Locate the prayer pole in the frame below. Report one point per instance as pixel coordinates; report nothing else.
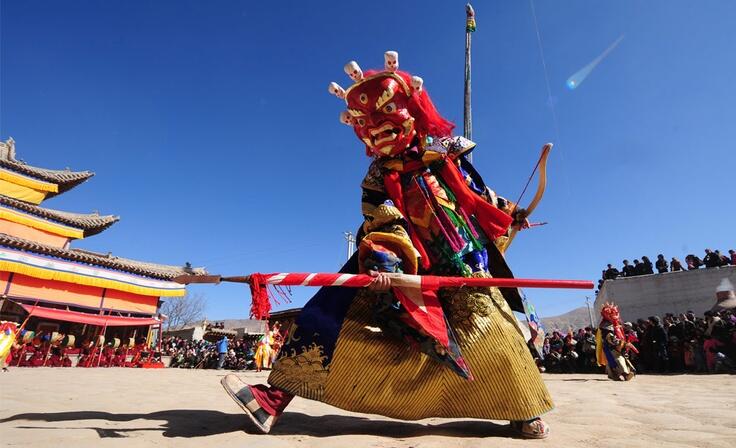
(467, 111)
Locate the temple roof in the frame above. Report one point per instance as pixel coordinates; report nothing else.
(65, 179)
(143, 268)
(90, 223)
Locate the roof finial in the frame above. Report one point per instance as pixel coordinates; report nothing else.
(7, 149)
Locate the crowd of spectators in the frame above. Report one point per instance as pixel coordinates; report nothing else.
(675, 344)
(239, 354)
(44, 351)
(712, 259)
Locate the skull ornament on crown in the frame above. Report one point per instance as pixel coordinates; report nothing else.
(389, 110)
(610, 313)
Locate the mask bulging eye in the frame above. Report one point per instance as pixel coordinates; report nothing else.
(360, 121)
(363, 98)
(389, 108)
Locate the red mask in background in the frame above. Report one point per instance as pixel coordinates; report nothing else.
(610, 313)
(378, 108)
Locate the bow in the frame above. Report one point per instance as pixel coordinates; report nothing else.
(542, 167)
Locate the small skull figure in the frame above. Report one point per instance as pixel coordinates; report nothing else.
(336, 90)
(417, 83)
(391, 59)
(353, 70)
(345, 118)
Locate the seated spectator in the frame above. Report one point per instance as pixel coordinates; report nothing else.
(732, 253)
(711, 260)
(628, 270)
(661, 264)
(611, 273)
(648, 267)
(675, 265)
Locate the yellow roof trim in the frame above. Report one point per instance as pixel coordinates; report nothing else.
(29, 182)
(40, 223)
(22, 193)
(47, 274)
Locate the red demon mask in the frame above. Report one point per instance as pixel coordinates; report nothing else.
(610, 313)
(379, 108)
(389, 109)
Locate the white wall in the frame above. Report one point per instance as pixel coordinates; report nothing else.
(671, 292)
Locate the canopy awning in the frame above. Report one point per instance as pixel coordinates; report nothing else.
(86, 318)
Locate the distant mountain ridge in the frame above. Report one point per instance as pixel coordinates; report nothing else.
(577, 318)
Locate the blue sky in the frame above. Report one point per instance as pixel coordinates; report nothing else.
(213, 136)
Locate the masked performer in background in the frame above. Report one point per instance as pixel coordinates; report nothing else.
(380, 350)
(264, 353)
(611, 345)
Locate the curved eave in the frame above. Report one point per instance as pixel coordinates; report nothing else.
(141, 268)
(90, 224)
(102, 227)
(65, 180)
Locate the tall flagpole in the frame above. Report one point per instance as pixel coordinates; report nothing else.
(467, 111)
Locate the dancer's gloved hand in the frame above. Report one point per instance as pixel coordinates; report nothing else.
(381, 283)
(521, 220)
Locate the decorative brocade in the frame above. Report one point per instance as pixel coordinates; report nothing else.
(380, 216)
(463, 305)
(303, 373)
(373, 373)
(374, 178)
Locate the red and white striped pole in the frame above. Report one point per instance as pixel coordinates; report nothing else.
(407, 280)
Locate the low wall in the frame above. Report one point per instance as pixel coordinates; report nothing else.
(671, 292)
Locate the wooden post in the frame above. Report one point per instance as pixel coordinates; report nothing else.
(102, 347)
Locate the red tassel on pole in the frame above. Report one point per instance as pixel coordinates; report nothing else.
(260, 307)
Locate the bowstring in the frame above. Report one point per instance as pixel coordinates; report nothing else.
(529, 181)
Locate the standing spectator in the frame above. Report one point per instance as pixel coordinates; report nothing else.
(711, 345)
(723, 259)
(693, 262)
(711, 260)
(611, 273)
(638, 267)
(648, 267)
(628, 270)
(732, 253)
(661, 264)
(222, 351)
(659, 342)
(675, 265)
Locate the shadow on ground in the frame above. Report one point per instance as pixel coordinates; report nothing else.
(201, 423)
(295, 423)
(178, 422)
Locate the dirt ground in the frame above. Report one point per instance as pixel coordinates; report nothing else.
(46, 407)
